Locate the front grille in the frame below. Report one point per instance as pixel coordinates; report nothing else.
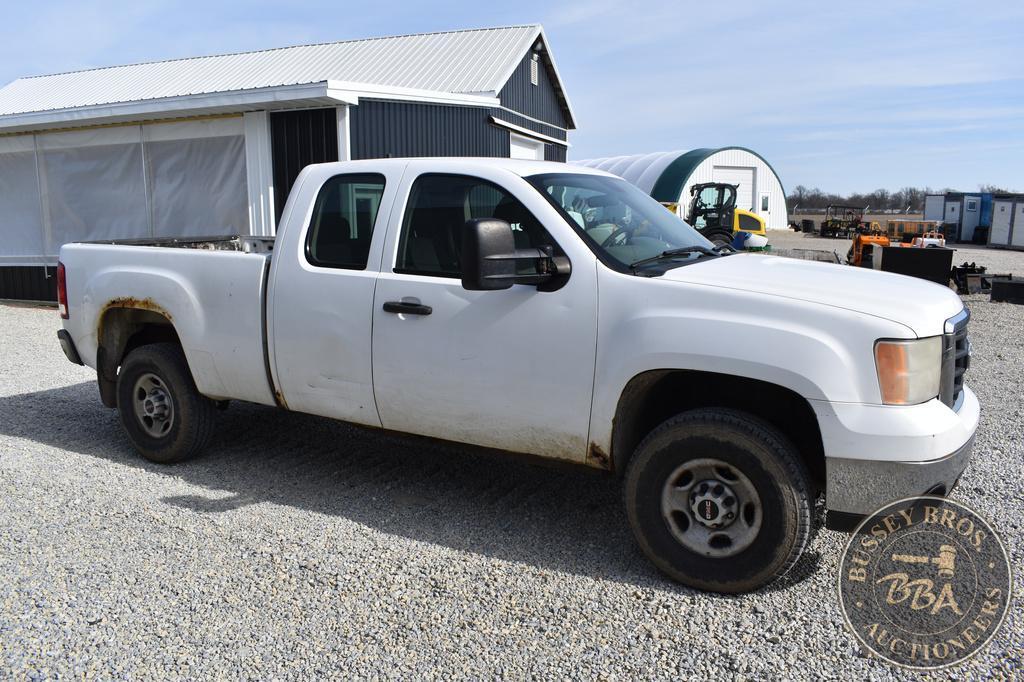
(956, 358)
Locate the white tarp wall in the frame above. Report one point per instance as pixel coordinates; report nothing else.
(21, 220)
(181, 179)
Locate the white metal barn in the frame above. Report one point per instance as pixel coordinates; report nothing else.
(210, 146)
(668, 176)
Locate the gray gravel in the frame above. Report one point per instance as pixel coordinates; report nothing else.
(298, 547)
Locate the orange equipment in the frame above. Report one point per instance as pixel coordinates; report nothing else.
(865, 241)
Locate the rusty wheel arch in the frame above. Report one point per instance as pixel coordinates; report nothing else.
(124, 325)
(652, 397)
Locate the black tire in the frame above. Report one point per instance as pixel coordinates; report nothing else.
(773, 468)
(193, 414)
(719, 238)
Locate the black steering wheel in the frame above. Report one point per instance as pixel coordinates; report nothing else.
(623, 234)
(619, 237)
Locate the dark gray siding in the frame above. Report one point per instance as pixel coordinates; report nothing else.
(28, 283)
(297, 139)
(382, 129)
(539, 101)
(554, 152)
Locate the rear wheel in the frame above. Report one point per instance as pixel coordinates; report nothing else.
(719, 500)
(165, 416)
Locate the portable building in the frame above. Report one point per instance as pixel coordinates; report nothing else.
(668, 177)
(212, 145)
(962, 213)
(1007, 221)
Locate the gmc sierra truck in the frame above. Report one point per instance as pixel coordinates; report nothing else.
(555, 311)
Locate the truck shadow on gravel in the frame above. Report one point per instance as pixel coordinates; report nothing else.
(514, 509)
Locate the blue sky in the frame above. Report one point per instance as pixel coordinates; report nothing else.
(844, 96)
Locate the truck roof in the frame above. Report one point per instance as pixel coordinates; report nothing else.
(521, 167)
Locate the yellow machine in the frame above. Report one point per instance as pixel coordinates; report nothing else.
(714, 214)
(747, 221)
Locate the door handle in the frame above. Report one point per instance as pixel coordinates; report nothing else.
(407, 308)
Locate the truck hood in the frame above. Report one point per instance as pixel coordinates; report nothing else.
(921, 305)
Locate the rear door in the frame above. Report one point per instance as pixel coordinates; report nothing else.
(509, 369)
(322, 292)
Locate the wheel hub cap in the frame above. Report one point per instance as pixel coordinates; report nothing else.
(713, 504)
(711, 507)
(153, 406)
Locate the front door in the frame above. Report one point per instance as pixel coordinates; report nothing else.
(510, 369)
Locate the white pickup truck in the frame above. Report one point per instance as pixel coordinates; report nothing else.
(556, 311)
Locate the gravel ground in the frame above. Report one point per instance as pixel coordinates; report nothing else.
(301, 548)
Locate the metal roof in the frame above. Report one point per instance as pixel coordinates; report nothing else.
(475, 62)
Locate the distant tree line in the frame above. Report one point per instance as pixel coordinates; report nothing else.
(908, 199)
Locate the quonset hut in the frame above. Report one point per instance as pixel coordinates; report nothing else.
(668, 176)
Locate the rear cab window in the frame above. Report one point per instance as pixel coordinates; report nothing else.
(341, 226)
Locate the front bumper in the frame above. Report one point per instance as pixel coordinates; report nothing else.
(876, 455)
(858, 487)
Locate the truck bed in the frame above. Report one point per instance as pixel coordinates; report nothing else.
(236, 242)
(213, 290)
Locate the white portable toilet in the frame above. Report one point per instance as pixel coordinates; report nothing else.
(933, 207)
(970, 216)
(1002, 221)
(1017, 227)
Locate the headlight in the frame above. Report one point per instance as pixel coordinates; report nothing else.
(908, 371)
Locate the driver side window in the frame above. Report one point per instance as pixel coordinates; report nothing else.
(440, 205)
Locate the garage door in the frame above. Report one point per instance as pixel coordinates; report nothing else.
(521, 147)
(742, 176)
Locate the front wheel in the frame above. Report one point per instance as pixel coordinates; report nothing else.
(719, 238)
(166, 417)
(719, 500)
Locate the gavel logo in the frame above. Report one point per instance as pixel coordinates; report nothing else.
(905, 573)
(946, 561)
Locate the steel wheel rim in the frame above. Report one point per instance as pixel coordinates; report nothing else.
(710, 532)
(153, 406)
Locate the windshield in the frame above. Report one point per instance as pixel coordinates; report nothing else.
(622, 224)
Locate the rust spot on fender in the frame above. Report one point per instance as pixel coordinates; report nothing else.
(279, 399)
(137, 303)
(598, 458)
(133, 303)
